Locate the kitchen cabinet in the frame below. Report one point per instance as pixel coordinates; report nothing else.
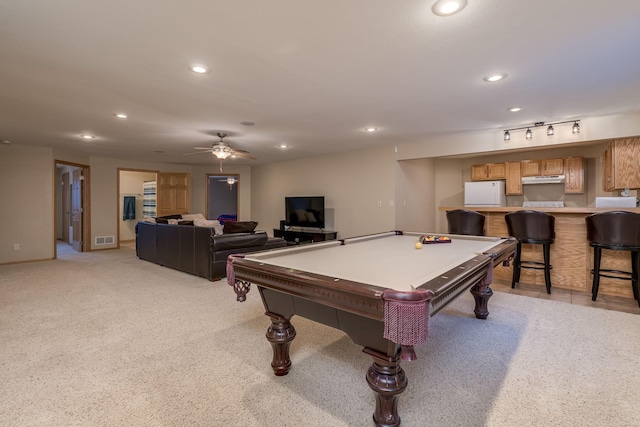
(552, 166)
(544, 167)
(621, 164)
(514, 179)
(573, 175)
(489, 171)
(530, 167)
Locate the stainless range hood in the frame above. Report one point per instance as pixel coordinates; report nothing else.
(550, 179)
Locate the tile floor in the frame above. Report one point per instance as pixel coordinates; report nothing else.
(627, 305)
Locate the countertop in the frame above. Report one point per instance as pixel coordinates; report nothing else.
(566, 210)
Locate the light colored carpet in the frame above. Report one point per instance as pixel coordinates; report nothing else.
(105, 339)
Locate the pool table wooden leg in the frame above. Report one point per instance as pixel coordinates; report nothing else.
(387, 379)
(280, 334)
(481, 293)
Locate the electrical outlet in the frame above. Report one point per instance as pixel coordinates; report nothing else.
(379, 203)
(16, 246)
(391, 203)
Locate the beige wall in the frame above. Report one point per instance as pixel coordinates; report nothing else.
(27, 211)
(415, 195)
(354, 185)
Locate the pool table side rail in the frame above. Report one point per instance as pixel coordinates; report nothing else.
(361, 298)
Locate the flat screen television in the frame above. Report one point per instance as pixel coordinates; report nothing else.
(304, 211)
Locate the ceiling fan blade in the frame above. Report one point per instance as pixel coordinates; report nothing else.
(243, 154)
(197, 152)
(202, 148)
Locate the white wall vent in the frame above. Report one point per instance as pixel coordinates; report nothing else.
(105, 240)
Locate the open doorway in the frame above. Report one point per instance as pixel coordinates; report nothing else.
(72, 217)
(136, 200)
(222, 197)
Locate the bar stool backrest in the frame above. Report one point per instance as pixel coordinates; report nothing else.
(531, 226)
(465, 222)
(614, 229)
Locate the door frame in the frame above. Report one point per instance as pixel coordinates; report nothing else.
(207, 191)
(86, 206)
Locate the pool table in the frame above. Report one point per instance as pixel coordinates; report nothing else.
(379, 289)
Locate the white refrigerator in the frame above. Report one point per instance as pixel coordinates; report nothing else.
(484, 193)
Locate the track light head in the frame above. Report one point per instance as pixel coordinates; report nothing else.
(550, 130)
(575, 128)
(528, 134)
(507, 135)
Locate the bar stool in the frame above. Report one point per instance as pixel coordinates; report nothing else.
(618, 231)
(462, 221)
(532, 227)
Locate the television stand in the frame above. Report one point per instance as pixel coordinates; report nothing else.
(304, 235)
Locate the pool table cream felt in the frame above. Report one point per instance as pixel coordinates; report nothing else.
(386, 260)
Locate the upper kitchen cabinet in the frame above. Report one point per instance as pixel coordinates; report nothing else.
(514, 179)
(489, 171)
(544, 167)
(574, 175)
(621, 164)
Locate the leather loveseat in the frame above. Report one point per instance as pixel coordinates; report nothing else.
(197, 250)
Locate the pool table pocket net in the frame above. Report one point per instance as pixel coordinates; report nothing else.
(406, 319)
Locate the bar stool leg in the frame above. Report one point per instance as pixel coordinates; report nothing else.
(546, 248)
(635, 259)
(597, 255)
(516, 266)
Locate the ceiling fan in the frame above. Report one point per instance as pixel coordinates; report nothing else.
(222, 150)
(230, 180)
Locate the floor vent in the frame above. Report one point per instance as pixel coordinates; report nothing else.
(105, 240)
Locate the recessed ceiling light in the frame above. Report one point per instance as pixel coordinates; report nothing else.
(283, 146)
(4, 141)
(85, 136)
(448, 7)
(121, 115)
(200, 69)
(514, 109)
(371, 129)
(496, 77)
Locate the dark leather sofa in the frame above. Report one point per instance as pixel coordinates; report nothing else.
(197, 250)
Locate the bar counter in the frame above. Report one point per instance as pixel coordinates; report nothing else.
(571, 255)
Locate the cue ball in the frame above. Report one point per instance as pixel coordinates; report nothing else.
(418, 245)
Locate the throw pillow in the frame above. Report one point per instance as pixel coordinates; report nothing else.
(174, 216)
(209, 223)
(239, 227)
(162, 221)
(193, 216)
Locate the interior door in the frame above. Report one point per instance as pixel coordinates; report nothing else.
(77, 212)
(66, 206)
(173, 193)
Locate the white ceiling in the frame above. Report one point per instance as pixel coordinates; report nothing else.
(310, 73)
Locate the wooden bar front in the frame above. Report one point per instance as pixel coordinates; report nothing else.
(571, 255)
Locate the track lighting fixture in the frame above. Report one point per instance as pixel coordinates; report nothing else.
(550, 130)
